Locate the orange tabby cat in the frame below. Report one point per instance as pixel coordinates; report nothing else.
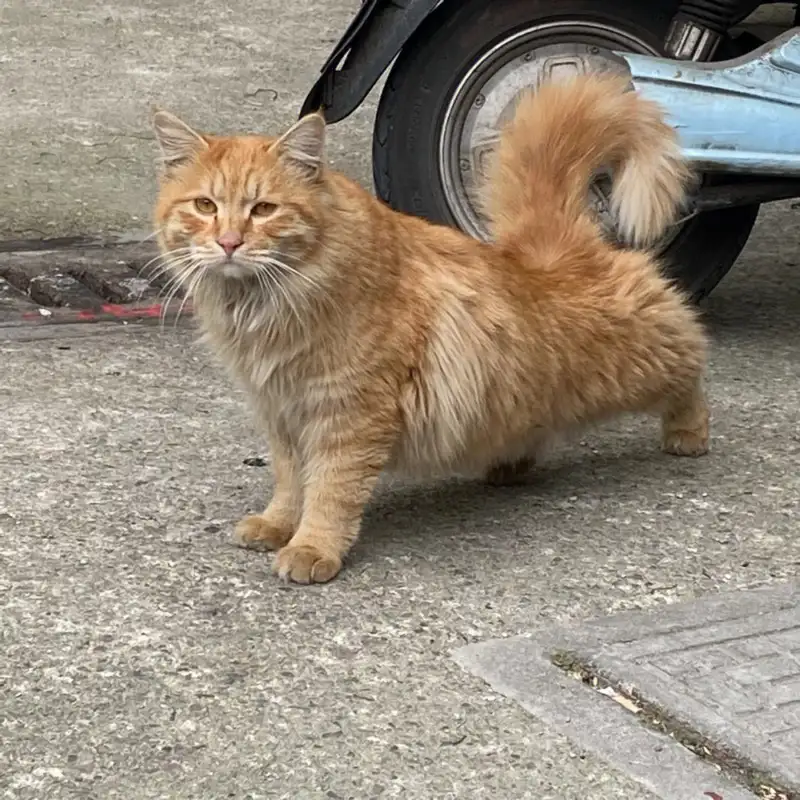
(367, 339)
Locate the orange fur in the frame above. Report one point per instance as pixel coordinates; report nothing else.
(367, 339)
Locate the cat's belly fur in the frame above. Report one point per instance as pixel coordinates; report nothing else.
(460, 427)
(430, 441)
(439, 433)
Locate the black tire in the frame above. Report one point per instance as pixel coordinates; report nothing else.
(427, 73)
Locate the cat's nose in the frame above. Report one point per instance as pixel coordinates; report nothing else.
(230, 241)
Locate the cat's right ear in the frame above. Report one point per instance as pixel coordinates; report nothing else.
(178, 142)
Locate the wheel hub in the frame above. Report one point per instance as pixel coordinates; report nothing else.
(485, 99)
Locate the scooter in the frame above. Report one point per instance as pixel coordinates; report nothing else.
(458, 65)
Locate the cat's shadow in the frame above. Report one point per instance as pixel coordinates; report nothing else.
(404, 517)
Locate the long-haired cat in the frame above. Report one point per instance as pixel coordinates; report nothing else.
(366, 339)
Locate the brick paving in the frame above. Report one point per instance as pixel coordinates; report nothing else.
(77, 282)
(736, 681)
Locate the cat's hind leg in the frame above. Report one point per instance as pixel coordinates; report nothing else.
(515, 466)
(685, 423)
(510, 473)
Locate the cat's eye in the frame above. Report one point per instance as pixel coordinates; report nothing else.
(262, 209)
(205, 206)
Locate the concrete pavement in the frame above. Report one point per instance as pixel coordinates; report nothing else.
(143, 656)
(77, 81)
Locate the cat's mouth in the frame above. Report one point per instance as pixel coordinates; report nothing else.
(236, 266)
(271, 270)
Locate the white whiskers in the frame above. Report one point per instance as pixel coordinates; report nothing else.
(276, 277)
(275, 287)
(163, 262)
(188, 270)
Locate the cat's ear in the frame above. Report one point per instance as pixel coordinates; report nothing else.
(303, 146)
(178, 142)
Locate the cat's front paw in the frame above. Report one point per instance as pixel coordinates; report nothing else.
(306, 564)
(685, 443)
(256, 532)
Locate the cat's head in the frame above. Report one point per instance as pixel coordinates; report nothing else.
(240, 206)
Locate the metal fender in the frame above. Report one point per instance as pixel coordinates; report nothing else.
(736, 116)
(372, 40)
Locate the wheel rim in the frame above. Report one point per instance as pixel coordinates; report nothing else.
(484, 101)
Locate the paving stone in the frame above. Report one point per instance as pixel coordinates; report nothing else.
(47, 285)
(77, 282)
(19, 272)
(62, 290)
(724, 669)
(115, 281)
(13, 300)
(721, 697)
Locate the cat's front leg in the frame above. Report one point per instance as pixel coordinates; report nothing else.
(273, 528)
(341, 474)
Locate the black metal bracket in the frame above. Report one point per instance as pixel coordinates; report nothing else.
(374, 37)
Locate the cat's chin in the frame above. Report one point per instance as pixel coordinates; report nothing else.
(233, 271)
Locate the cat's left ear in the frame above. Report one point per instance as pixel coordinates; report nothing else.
(303, 145)
(179, 143)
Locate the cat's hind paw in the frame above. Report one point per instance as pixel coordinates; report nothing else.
(510, 474)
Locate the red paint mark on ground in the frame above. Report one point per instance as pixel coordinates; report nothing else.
(106, 311)
(133, 311)
(714, 795)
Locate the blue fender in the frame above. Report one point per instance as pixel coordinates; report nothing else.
(736, 116)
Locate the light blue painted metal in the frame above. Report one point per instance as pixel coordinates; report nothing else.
(741, 115)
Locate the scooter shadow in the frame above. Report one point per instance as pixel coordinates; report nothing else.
(760, 297)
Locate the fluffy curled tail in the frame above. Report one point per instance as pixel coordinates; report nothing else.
(561, 136)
